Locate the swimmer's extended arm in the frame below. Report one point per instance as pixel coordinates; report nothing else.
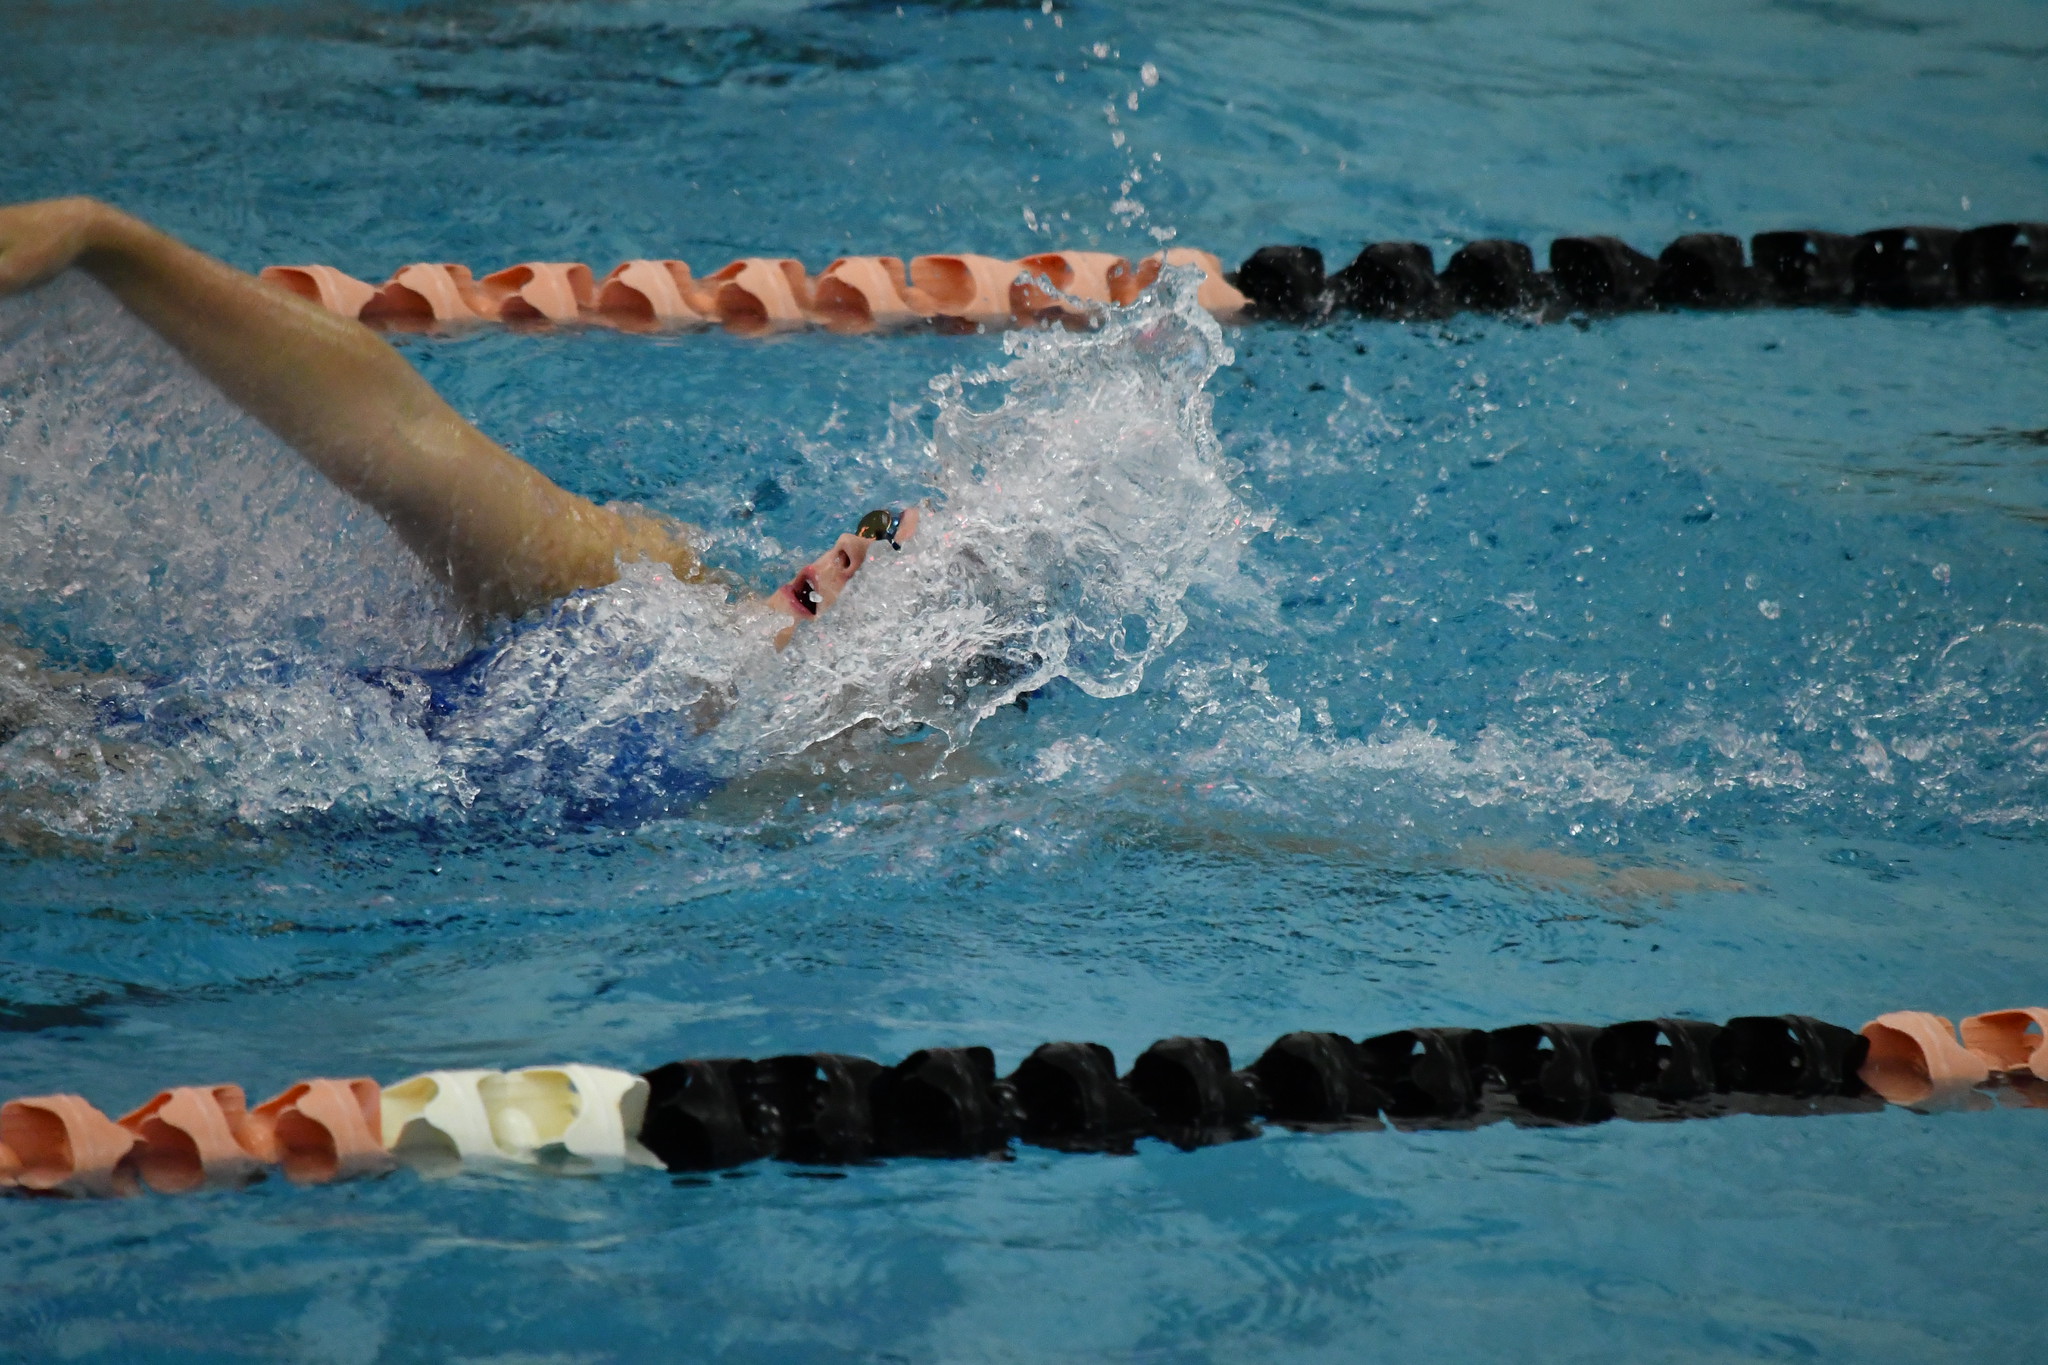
(503, 537)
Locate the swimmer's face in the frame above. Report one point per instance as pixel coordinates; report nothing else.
(818, 584)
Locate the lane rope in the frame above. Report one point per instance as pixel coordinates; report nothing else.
(2000, 264)
(711, 1114)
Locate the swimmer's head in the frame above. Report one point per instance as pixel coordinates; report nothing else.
(983, 667)
(818, 584)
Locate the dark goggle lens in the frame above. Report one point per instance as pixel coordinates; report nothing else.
(879, 524)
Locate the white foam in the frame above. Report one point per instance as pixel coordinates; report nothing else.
(166, 536)
(1074, 516)
(148, 522)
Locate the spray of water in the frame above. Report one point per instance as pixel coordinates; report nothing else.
(243, 640)
(1075, 515)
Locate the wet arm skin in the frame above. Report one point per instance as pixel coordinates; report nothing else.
(501, 535)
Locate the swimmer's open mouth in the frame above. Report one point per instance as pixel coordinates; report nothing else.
(804, 592)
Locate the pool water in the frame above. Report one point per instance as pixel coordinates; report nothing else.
(1462, 673)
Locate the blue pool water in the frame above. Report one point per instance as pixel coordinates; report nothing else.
(1468, 673)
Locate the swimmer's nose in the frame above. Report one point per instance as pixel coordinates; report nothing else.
(851, 552)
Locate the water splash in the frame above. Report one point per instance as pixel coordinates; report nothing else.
(1075, 516)
(149, 522)
(254, 644)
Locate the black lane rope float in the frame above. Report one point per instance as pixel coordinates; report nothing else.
(830, 1109)
(1902, 267)
(827, 1109)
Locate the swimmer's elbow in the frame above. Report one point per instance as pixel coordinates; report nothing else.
(644, 535)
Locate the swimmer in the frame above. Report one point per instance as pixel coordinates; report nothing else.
(502, 536)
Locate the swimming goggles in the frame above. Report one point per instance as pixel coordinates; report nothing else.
(881, 524)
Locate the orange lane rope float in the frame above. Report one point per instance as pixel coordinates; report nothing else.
(757, 295)
(824, 1108)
